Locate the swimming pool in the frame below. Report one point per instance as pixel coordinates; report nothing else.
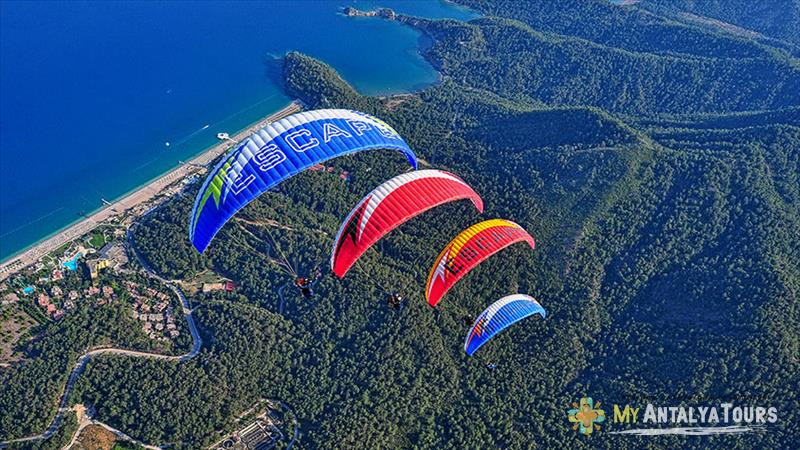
(73, 263)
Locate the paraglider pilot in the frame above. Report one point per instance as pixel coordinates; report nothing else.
(395, 301)
(304, 284)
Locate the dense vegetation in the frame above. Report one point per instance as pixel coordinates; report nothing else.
(31, 390)
(780, 23)
(659, 26)
(512, 59)
(667, 253)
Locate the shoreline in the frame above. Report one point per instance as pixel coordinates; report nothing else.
(33, 252)
(134, 197)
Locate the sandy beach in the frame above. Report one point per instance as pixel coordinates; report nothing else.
(137, 197)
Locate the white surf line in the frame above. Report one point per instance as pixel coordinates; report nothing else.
(691, 431)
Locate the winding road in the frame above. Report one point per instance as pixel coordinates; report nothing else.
(83, 360)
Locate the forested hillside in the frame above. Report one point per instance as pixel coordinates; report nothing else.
(667, 274)
(779, 21)
(517, 61)
(660, 26)
(660, 178)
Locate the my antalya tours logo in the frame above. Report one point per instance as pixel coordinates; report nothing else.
(586, 418)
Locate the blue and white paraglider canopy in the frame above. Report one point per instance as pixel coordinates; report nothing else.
(498, 316)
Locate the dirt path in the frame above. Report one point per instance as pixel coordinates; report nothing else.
(84, 420)
(266, 222)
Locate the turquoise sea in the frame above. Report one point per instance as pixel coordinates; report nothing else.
(90, 92)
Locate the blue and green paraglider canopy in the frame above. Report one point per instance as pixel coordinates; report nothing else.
(279, 151)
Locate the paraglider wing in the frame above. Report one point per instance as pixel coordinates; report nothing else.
(498, 316)
(279, 151)
(391, 204)
(471, 247)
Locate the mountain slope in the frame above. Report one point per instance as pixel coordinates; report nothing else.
(655, 265)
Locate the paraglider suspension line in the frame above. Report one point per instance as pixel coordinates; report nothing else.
(286, 263)
(378, 283)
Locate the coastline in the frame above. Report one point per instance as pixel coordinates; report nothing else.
(424, 42)
(134, 197)
(20, 244)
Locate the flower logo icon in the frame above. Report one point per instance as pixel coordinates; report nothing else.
(586, 416)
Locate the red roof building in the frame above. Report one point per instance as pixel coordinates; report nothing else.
(43, 300)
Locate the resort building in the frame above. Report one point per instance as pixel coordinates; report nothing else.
(228, 286)
(114, 252)
(92, 290)
(94, 266)
(43, 300)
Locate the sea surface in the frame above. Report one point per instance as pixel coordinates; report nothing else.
(91, 92)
